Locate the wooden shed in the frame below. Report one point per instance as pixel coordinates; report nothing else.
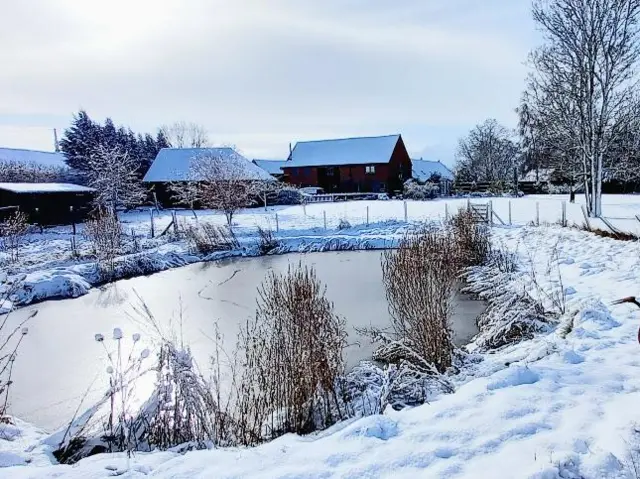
(47, 203)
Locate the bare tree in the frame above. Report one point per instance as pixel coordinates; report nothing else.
(12, 171)
(114, 175)
(225, 183)
(487, 154)
(585, 72)
(186, 135)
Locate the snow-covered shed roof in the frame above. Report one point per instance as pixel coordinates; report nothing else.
(273, 167)
(176, 164)
(42, 158)
(422, 170)
(45, 188)
(343, 151)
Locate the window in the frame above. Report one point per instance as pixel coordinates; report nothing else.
(330, 171)
(370, 170)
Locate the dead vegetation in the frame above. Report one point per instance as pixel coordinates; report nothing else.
(104, 232)
(12, 234)
(292, 360)
(267, 241)
(206, 238)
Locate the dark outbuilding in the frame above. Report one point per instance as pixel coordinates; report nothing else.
(47, 203)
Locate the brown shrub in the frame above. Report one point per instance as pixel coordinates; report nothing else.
(292, 359)
(472, 239)
(207, 238)
(419, 279)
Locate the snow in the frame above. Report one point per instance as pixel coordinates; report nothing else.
(343, 151)
(174, 164)
(422, 170)
(273, 167)
(561, 405)
(42, 158)
(45, 188)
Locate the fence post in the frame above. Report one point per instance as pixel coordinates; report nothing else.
(73, 220)
(446, 211)
(490, 212)
(406, 215)
(174, 216)
(277, 224)
(510, 213)
(367, 215)
(537, 213)
(304, 208)
(324, 215)
(564, 214)
(468, 204)
(153, 232)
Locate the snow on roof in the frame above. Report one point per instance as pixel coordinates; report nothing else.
(42, 158)
(45, 188)
(422, 170)
(273, 167)
(175, 164)
(344, 151)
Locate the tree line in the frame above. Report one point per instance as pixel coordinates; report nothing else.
(579, 115)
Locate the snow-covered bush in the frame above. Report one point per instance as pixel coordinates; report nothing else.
(206, 238)
(12, 171)
(292, 361)
(415, 191)
(267, 240)
(419, 278)
(472, 239)
(104, 232)
(12, 232)
(288, 196)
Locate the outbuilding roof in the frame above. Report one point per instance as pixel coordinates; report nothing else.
(45, 188)
(273, 167)
(343, 151)
(422, 170)
(177, 164)
(42, 158)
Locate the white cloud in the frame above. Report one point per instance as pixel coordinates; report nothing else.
(261, 74)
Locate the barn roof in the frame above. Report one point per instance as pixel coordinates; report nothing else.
(45, 188)
(175, 164)
(343, 151)
(273, 167)
(42, 158)
(422, 170)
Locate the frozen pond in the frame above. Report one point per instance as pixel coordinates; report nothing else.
(59, 359)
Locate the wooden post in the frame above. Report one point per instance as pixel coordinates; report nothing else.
(277, 224)
(490, 212)
(510, 212)
(586, 217)
(468, 204)
(175, 221)
(153, 232)
(406, 214)
(73, 220)
(564, 214)
(304, 207)
(367, 215)
(446, 211)
(537, 213)
(324, 215)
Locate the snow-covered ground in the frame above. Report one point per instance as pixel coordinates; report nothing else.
(52, 272)
(563, 405)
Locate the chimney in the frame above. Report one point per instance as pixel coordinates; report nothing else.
(55, 141)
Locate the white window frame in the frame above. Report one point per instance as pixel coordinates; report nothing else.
(370, 169)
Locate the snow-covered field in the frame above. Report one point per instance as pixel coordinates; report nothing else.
(562, 405)
(52, 272)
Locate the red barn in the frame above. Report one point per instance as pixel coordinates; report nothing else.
(346, 165)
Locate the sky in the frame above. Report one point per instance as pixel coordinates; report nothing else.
(262, 74)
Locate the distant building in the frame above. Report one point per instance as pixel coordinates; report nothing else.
(367, 164)
(273, 167)
(424, 170)
(176, 165)
(31, 166)
(47, 203)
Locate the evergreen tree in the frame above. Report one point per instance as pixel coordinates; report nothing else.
(161, 141)
(79, 141)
